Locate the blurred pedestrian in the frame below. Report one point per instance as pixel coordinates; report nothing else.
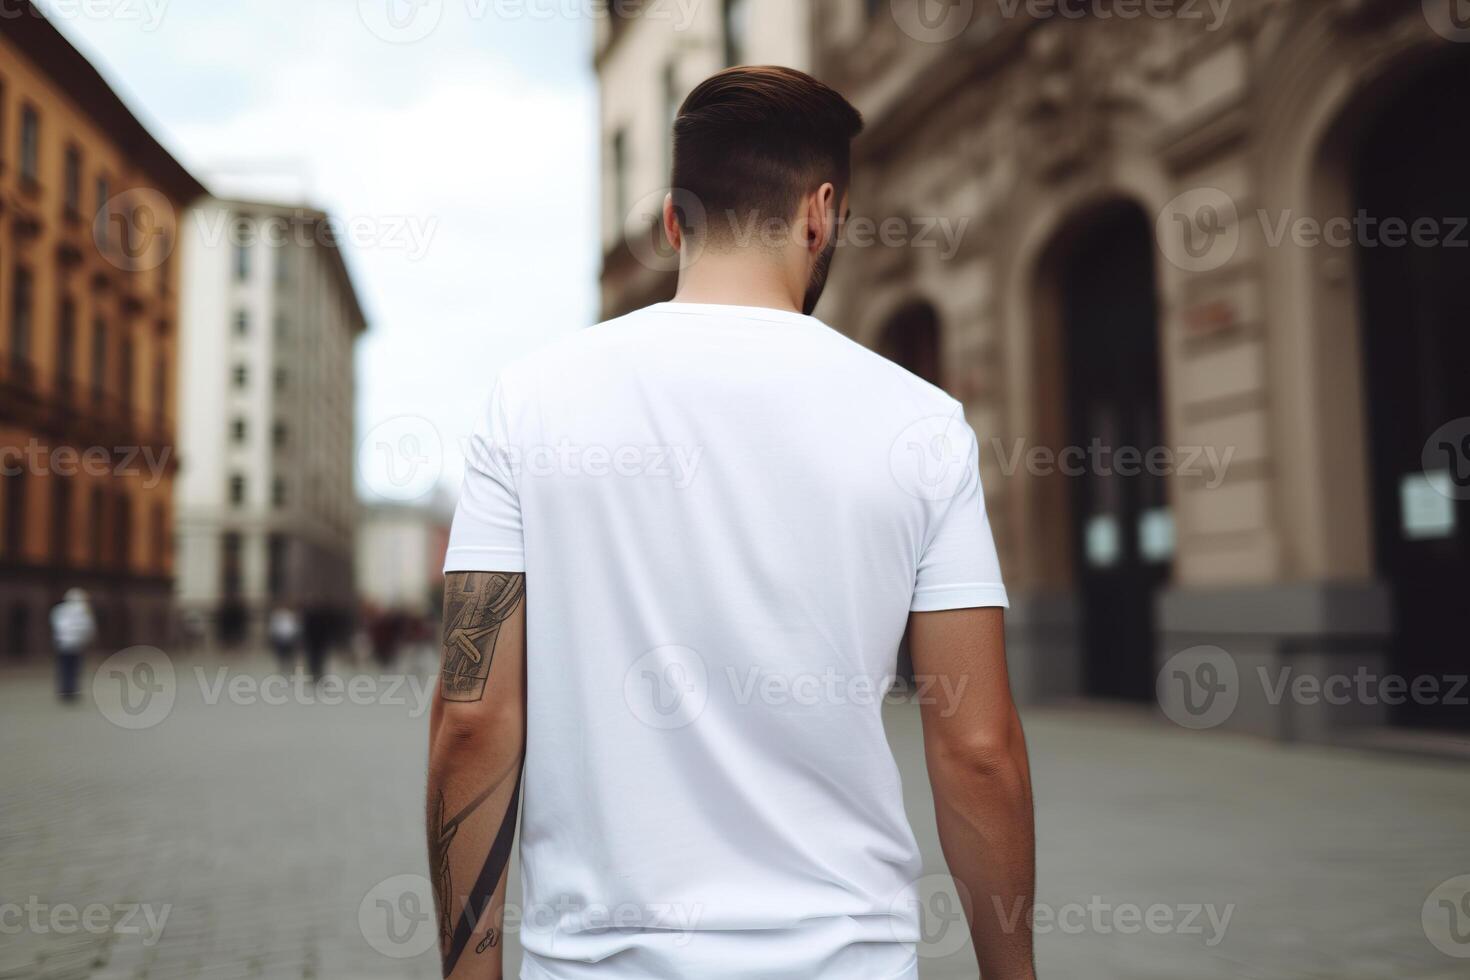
(317, 636)
(284, 629)
(73, 630)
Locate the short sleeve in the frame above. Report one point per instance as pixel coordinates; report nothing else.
(959, 568)
(486, 535)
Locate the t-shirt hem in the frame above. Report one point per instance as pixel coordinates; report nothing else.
(468, 559)
(971, 596)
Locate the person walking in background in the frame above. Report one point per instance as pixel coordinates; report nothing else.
(320, 631)
(73, 630)
(285, 632)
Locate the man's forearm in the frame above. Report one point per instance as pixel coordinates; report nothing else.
(987, 830)
(476, 746)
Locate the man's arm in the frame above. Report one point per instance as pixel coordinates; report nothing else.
(982, 782)
(477, 738)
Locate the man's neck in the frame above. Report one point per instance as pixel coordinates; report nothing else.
(736, 280)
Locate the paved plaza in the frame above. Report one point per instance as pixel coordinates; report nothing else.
(258, 831)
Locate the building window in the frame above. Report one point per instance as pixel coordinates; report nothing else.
(278, 492)
(72, 188)
(160, 392)
(283, 328)
(237, 490)
(242, 323)
(229, 566)
(22, 304)
(242, 376)
(283, 266)
(15, 508)
(241, 262)
(275, 565)
(66, 348)
(99, 360)
(125, 372)
(30, 144)
(282, 378)
(96, 524)
(872, 8)
(161, 541)
(237, 431)
(620, 176)
(122, 530)
(103, 191)
(737, 31)
(278, 435)
(60, 519)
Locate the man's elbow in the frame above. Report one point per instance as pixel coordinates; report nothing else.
(477, 731)
(992, 756)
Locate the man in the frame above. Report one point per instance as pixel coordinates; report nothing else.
(284, 628)
(73, 629)
(688, 547)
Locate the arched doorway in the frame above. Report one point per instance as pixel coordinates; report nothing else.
(1409, 170)
(1122, 531)
(911, 339)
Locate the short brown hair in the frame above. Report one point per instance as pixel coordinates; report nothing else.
(750, 142)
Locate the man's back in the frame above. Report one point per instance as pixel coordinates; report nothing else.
(725, 516)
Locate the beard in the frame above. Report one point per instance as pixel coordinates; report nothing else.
(820, 271)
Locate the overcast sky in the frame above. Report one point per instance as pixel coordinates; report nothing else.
(459, 137)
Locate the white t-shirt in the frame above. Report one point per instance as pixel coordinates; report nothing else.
(725, 515)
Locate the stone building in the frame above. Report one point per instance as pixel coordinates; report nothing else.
(266, 506)
(1195, 271)
(1236, 237)
(88, 345)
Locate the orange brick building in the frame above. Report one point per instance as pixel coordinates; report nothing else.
(89, 208)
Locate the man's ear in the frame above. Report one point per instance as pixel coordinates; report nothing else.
(821, 218)
(671, 223)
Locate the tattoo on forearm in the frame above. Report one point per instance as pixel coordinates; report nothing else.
(456, 930)
(478, 602)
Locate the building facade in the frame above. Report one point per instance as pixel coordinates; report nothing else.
(400, 558)
(646, 66)
(88, 349)
(266, 504)
(1190, 234)
(1196, 278)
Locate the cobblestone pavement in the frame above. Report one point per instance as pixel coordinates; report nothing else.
(242, 838)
